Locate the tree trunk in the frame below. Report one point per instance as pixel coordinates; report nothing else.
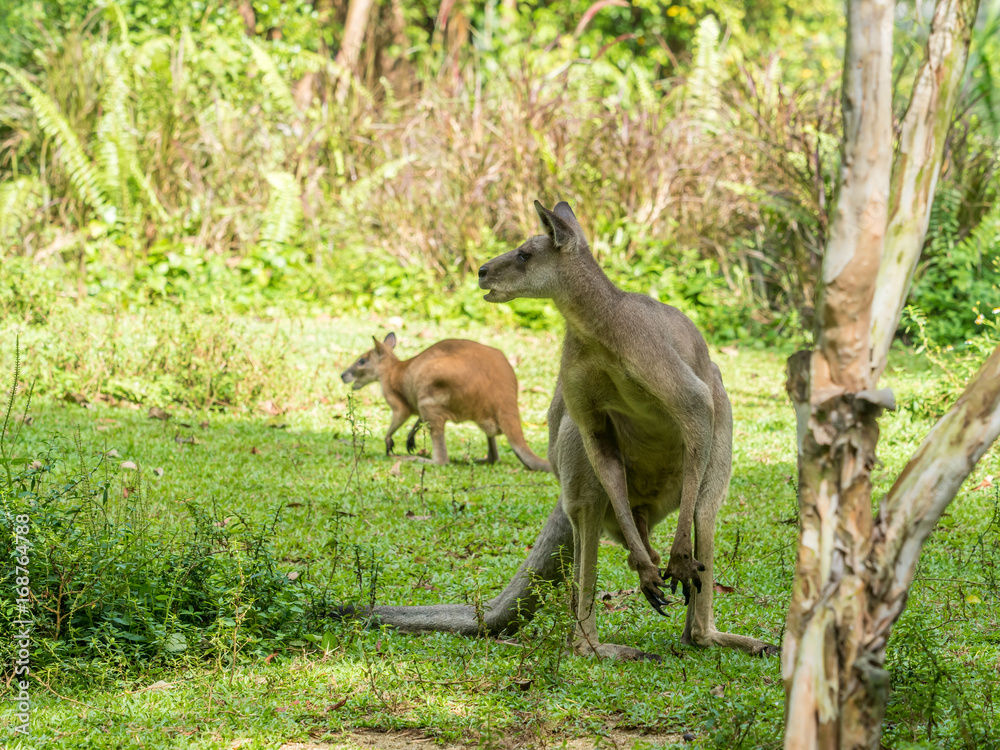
(306, 87)
(354, 34)
(853, 571)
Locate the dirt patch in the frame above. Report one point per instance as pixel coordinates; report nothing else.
(412, 739)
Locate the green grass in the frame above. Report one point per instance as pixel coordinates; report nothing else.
(317, 473)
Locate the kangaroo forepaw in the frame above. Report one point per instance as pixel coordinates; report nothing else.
(683, 569)
(656, 598)
(649, 584)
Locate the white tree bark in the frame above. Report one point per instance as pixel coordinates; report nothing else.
(918, 164)
(853, 571)
(354, 34)
(839, 434)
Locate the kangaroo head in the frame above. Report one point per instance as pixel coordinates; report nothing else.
(533, 269)
(369, 366)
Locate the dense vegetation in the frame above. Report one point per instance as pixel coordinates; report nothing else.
(218, 153)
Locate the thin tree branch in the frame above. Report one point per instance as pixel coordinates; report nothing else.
(917, 166)
(928, 484)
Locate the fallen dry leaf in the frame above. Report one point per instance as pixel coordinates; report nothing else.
(985, 484)
(155, 412)
(158, 471)
(414, 517)
(267, 659)
(395, 469)
(732, 351)
(76, 398)
(112, 453)
(292, 575)
(203, 425)
(240, 742)
(128, 465)
(721, 589)
(339, 704)
(269, 407)
(255, 451)
(718, 691)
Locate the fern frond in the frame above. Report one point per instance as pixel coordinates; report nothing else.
(116, 145)
(274, 84)
(360, 192)
(142, 56)
(284, 209)
(647, 97)
(81, 172)
(117, 16)
(703, 84)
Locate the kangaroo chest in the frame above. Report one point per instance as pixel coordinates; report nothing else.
(605, 399)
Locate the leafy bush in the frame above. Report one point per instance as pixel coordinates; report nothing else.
(954, 364)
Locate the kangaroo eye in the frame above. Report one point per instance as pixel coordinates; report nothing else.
(523, 257)
(362, 361)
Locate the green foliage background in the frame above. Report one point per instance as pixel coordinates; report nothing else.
(155, 152)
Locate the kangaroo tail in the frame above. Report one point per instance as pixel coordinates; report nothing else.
(510, 425)
(550, 560)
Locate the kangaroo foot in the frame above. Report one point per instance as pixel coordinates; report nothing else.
(744, 643)
(389, 445)
(683, 569)
(613, 651)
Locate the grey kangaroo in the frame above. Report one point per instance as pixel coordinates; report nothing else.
(640, 426)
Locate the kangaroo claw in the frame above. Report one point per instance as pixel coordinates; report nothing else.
(411, 439)
(684, 570)
(656, 599)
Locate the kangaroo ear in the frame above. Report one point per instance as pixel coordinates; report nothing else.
(556, 227)
(378, 345)
(390, 340)
(564, 212)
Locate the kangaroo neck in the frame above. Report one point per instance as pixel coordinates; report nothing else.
(392, 373)
(588, 300)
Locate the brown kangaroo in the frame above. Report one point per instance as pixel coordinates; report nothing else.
(451, 381)
(640, 426)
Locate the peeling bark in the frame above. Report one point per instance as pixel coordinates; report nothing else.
(837, 430)
(853, 571)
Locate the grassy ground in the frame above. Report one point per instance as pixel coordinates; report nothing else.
(360, 524)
